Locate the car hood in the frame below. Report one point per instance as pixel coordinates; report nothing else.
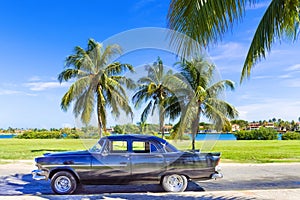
(68, 153)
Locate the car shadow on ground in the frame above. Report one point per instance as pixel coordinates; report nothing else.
(19, 184)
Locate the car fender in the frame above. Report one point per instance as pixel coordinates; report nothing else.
(64, 168)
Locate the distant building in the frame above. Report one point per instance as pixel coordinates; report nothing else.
(297, 126)
(167, 128)
(281, 130)
(269, 125)
(253, 126)
(110, 130)
(235, 127)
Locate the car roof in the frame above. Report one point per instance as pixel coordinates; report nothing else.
(135, 136)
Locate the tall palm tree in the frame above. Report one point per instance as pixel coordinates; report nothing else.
(201, 96)
(97, 83)
(153, 90)
(205, 21)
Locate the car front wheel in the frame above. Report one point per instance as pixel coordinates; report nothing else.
(174, 183)
(63, 182)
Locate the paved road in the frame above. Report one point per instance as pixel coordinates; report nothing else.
(241, 181)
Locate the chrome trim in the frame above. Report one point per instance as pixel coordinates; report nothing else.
(40, 174)
(217, 175)
(218, 168)
(64, 165)
(63, 184)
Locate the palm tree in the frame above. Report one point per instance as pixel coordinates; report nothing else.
(153, 90)
(205, 21)
(143, 127)
(97, 83)
(200, 96)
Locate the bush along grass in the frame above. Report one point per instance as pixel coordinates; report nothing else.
(291, 136)
(46, 135)
(259, 134)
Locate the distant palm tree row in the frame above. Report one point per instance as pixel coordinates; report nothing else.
(186, 95)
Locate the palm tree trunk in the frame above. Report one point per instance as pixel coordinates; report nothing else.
(161, 121)
(100, 125)
(195, 127)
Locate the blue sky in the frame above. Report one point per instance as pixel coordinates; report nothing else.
(36, 37)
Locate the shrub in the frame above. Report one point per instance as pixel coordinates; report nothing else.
(290, 136)
(259, 134)
(245, 135)
(72, 136)
(266, 134)
(40, 135)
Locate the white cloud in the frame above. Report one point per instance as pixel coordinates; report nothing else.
(14, 92)
(40, 86)
(295, 83)
(231, 50)
(285, 76)
(9, 92)
(34, 78)
(286, 109)
(262, 77)
(295, 67)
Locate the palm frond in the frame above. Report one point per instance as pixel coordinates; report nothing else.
(141, 96)
(80, 60)
(146, 111)
(173, 107)
(67, 99)
(219, 111)
(219, 87)
(280, 17)
(87, 106)
(202, 21)
(146, 80)
(109, 52)
(118, 68)
(67, 75)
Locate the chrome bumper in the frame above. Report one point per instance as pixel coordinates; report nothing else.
(217, 174)
(39, 174)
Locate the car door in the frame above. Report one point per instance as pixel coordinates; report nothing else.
(112, 165)
(147, 161)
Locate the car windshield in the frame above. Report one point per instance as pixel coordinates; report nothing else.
(98, 146)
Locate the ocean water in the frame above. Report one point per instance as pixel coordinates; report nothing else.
(223, 136)
(7, 136)
(215, 136)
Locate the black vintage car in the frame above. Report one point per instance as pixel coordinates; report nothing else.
(124, 159)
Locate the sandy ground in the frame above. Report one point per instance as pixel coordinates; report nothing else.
(240, 182)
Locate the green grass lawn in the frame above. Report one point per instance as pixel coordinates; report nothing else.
(232, 151)
(252, 151)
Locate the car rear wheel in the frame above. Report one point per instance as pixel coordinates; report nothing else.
(63, 182)
(174, 183)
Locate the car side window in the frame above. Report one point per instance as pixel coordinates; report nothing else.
(140, 147)
(153, 148)
(118, 146)
(143, 147)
